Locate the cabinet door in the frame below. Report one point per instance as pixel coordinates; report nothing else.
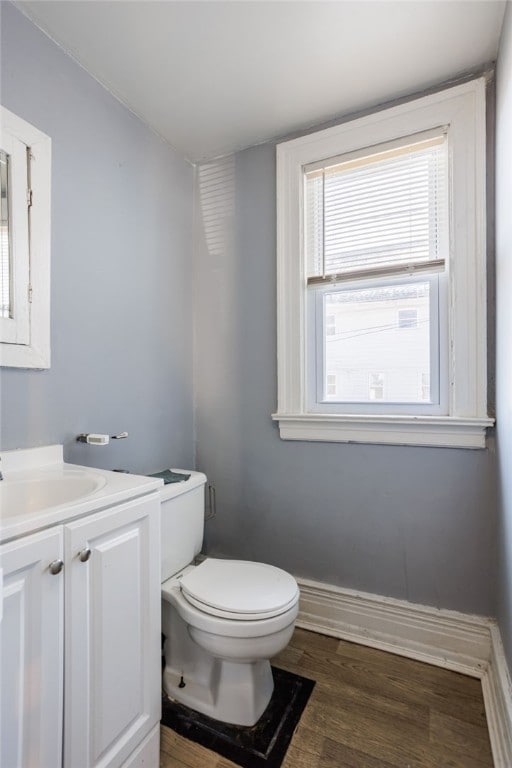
(112, 637)
(31, 658)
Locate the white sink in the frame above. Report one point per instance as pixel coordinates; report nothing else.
(39, 490)
(25, 495)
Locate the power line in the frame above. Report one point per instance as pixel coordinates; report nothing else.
(373, 329)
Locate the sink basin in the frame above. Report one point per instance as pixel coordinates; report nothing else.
(50, 489)
(40, 490)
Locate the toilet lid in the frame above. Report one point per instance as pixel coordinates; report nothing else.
(241, 588)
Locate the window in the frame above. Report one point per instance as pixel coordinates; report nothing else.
(24, 244)
(330, 325)
(331, 389)
(425, 387)
(372, 217)
(376, 386)
(381, 276)
(407, 318)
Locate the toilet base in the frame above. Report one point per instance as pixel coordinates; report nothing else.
(232, 692)
(224, 663)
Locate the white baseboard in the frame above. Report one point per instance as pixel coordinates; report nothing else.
(457, 641)
(445, 638)
(497, 689)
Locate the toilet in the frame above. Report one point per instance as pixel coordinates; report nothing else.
(222, 620)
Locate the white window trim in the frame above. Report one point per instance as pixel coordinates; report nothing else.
(462, 109)
(35, 353)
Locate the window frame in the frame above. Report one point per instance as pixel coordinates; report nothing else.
(461, 109)
(31, 347)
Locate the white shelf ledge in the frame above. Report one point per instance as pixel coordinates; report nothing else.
(438, 431)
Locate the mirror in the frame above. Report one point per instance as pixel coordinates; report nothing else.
(25, 175)
(5, 239)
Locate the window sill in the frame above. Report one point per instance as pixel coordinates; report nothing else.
(436, 431)
(27, 355)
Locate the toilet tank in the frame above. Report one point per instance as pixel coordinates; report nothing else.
(182, 526)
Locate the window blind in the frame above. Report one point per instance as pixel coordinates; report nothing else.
(384, 212)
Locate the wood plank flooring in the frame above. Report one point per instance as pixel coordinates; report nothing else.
(369, 709)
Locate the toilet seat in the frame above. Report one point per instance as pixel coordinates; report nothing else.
(239, 589)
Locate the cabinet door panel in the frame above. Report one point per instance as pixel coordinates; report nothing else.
(112, 656)
(31, 654)
(116, 702)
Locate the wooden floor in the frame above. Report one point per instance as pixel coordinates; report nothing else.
(369, 709)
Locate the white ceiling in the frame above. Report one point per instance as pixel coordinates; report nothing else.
(213, 77)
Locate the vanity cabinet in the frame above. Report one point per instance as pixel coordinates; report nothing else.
(31, 652)
(80, 648)
(112, 656)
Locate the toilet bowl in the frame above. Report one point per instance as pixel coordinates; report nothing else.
(222, 621)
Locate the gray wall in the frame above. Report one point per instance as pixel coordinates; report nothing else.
(504, 327)
(412, 523)
(121, 271)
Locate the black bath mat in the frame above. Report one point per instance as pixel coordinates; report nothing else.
(263, 745)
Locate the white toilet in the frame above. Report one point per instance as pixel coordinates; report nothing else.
(222, 619)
